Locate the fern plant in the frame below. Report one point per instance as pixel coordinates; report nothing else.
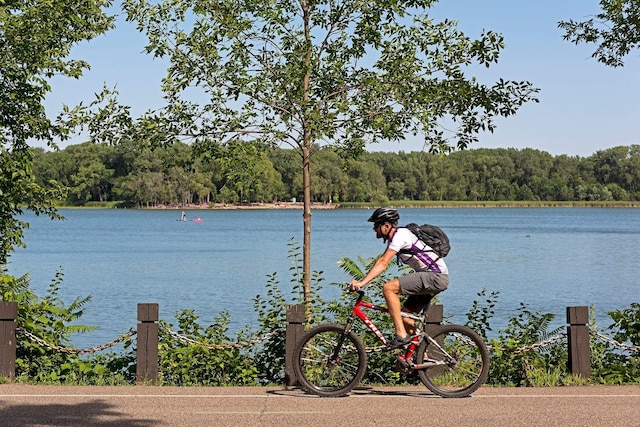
(516, 360)
(49, 319)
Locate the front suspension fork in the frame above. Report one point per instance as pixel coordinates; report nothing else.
(342, 337)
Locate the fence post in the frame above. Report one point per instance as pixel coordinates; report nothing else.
(579, 360)
(434, 317)
(295, 329)
(147, 349)
(8, 316)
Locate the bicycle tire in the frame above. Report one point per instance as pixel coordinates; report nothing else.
(315, 367)
(465, 357)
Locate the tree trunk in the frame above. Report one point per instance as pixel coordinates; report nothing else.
(306, 220)
(306, 170)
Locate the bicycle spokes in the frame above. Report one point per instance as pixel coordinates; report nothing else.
(330, 361)
(456, 362)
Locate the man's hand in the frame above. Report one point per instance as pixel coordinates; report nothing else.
(355, 285)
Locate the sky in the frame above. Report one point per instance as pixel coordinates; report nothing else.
(584, 105)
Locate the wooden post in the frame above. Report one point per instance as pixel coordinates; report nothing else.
(147, 350)
(579, 360)
(8, 316)
(295, 329)
(434, 317)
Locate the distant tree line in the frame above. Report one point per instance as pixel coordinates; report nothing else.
(249, 173)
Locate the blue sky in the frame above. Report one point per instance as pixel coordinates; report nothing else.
(584, 106)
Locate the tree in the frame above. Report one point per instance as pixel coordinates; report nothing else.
(310, 73)
(35, 40)
(615, 31)
(92, 183)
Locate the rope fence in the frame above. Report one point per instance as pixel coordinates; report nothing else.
(148, 328)
(71, 350)
(245, 344)
(233, 346)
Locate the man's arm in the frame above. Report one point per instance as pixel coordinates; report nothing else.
(380, 265)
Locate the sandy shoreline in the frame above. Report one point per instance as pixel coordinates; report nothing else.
(283, 205)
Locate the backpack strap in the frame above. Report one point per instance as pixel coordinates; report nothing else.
(413, 228)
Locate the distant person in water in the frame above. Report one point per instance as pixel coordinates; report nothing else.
(184, 216)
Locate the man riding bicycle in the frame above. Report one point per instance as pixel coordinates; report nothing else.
(430, 275)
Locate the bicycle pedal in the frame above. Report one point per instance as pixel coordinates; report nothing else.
(402, 361)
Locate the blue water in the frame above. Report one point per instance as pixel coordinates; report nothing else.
(549, 258)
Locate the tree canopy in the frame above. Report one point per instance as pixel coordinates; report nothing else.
(615, 31)
(129, 176)
(35, 41)
(311, 73)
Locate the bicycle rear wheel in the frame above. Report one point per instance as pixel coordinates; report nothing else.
(329, 361)
(460, 361)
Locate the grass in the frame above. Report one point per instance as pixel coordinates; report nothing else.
(492, 204)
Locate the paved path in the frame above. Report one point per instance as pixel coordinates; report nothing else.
(141, 406)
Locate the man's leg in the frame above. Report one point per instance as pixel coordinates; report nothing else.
(409, 324)
(390, 290)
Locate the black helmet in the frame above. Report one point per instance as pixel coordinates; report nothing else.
(382, 215)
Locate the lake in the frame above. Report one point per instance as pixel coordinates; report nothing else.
(548, 258)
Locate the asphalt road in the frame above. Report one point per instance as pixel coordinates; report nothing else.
(142, 406)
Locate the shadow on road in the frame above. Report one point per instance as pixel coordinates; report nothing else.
(95, 413)
(358, 391)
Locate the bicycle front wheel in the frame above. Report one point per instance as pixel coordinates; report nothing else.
(329, 361)
(458, 361)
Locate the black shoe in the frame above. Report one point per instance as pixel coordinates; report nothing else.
(398, 342)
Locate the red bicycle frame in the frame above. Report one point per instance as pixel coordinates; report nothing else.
(360, 314)
(357, 311)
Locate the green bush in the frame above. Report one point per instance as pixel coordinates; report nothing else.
(524, 353)
(516, 359)
(609, 364)
(214, 361)
(48, 319)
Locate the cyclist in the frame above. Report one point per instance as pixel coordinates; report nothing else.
(430, 275)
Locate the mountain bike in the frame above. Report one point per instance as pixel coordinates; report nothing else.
(450, 360)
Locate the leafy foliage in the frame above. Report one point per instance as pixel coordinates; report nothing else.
(480, 314)
(521, 368)
(308, 74)
(272, 309)
(214, 363)
(615, 30)
(18, 192)
(36, 39)
(48, 318)
(142, 177)
(609, 364)
(217, 360)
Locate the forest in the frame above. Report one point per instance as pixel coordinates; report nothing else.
(244, 173)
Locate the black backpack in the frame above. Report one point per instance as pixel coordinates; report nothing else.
(433, 236)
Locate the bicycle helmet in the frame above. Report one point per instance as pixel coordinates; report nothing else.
(382, 215)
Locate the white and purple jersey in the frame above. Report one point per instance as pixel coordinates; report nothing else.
(422, 259)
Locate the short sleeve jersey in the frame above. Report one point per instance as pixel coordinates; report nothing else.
(423, 260)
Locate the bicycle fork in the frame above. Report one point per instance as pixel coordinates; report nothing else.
(341, 338)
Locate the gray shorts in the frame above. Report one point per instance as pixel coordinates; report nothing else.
(421, 286)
